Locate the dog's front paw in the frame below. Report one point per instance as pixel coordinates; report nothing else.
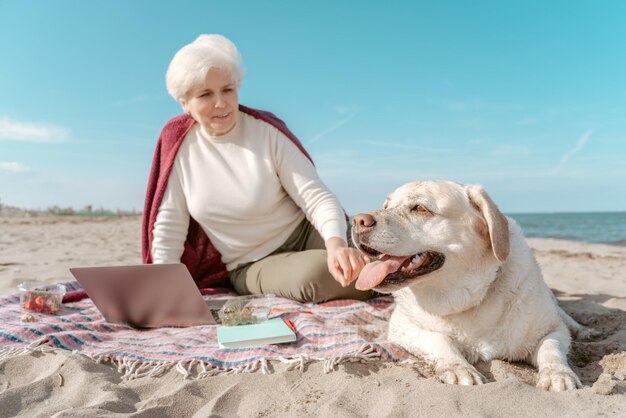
(460, 374)
(586, 334)
(557, 378)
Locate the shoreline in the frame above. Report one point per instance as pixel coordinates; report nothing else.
(23, 217)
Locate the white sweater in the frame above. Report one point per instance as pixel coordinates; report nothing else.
(248, 190)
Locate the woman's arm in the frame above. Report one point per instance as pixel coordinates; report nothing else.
(301, 181)
(172, 222)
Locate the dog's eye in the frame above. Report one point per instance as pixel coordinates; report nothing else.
(419, 209)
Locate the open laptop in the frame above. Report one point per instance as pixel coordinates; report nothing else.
(146, 295)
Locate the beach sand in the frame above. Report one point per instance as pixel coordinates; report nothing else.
(589, 281)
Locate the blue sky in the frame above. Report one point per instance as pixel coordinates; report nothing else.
(526, 98)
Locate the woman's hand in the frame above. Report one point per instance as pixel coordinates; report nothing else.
(344, 263)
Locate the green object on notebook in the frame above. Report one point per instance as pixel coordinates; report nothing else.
(272, 331)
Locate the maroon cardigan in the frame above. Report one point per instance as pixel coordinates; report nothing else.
(201, 258)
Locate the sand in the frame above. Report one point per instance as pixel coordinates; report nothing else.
(589, 281)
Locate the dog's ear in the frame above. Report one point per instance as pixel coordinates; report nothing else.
(496, 222)
(386, 203)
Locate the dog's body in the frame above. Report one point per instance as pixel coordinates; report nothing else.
(466, 285)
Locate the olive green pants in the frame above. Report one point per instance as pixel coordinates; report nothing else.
(296, 270)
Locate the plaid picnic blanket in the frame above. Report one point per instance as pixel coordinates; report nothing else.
(333, 332)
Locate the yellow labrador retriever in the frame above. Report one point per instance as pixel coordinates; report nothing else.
(466, 284)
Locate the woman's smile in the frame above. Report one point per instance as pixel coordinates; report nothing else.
(222, 117)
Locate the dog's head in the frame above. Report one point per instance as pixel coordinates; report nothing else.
(427, 229)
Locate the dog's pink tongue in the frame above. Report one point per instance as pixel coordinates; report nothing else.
(376, 271)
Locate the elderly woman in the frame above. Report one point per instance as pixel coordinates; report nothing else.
(232, 192)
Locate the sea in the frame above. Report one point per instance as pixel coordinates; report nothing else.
(594, 227)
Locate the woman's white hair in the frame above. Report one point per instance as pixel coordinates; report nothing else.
(192, 62)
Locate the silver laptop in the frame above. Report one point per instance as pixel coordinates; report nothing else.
(146, 295)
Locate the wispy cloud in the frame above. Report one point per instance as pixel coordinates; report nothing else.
(12, 130)
(579, 146)
(13, 167)
(341, 110)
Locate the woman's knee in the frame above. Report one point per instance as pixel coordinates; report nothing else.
(312, 278)
(302, 276)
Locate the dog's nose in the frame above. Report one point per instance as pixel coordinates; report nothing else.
(364, 219)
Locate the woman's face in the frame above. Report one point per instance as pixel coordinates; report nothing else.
(214, 104)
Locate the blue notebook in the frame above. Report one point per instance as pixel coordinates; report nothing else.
(272, 331)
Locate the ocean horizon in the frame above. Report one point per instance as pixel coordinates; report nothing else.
(592, 227)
